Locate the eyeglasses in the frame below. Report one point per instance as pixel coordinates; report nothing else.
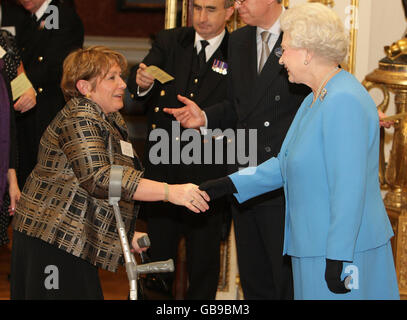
(279, 52)
(239, 2)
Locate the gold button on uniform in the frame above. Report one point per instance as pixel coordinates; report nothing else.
(40, 90)
(162, 93)
(191, 95)
(153, 126)
(132, 96)
(40, 59)
(196, 80)
(156, 109)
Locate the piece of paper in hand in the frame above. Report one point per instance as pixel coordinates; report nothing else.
(159, 74)
(19, 85)
(2, 52)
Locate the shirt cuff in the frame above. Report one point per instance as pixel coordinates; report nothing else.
(144, 92)
(204, 129)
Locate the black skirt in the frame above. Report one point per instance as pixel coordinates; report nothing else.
(4, 220)
(40, 271)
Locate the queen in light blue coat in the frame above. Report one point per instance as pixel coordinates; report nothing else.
(336, 229)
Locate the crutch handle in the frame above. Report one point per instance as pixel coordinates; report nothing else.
(156, 267)
(144, 242)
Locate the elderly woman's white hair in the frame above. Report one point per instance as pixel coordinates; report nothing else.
(317, 28)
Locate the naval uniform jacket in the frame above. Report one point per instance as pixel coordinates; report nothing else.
(65, 199)
(174, 52)
(43, 52)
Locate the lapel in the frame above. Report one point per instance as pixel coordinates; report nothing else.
(211, 79)
(250, 71)
(245, 72)
(183, 60)
(261, 82)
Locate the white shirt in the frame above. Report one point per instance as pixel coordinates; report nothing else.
(213, 45)
(275, 31)
(40, 12)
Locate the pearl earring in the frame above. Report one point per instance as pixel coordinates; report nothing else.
(306, 62)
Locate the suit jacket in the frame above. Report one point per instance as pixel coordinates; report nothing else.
(328, 165)
(64, 201)
(174, 52)
(265, 102)
(43, 52)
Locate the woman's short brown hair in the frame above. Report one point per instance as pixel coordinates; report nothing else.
(88, 64)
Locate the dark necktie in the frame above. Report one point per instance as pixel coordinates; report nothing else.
(202, 55)
(34, 19)
(34, 23)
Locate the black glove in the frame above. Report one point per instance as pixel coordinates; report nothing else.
(333, 272)
(218, 188)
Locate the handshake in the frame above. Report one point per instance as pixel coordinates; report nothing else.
(196, 198)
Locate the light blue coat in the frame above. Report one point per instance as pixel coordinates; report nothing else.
(328, 166)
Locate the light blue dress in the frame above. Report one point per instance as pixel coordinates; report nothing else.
(328, 166)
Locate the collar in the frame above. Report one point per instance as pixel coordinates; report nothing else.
(213, 43)
(40, 12)
(275, 29)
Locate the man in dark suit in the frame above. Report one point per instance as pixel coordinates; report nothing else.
(176, 52)
(261, 98)
(52, 29)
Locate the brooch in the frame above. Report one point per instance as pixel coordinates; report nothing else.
(323, 94)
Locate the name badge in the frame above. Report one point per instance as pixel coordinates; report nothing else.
(127, 149)
(2, 52)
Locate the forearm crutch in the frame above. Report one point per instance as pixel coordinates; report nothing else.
(132, 269)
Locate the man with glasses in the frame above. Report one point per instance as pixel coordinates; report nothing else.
(259, 97)
(197, 58)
